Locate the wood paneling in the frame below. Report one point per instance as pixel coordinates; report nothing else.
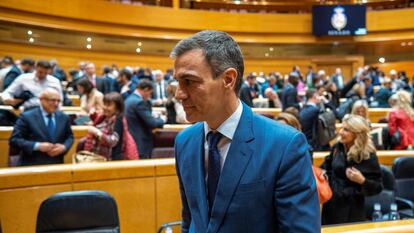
(106, 17)
(135, 199)
(70, 58)
(407, 66)
(19, 206)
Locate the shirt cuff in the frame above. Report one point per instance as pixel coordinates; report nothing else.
(36, 146)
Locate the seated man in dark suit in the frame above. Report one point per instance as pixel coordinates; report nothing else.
(43, 134)
(139, 117)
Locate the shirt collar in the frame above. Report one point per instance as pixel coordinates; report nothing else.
(229, 126)
(44, 113)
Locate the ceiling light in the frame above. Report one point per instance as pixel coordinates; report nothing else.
(89, 39)
(403, 44)
(29, 32)
(271, 49)
(410, 43)
(138, 50)
(266, 54)
(31, 39)
(88, 46)
(139, 43)
(381, 60)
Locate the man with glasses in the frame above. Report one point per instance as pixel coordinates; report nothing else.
(26, 89)
(43, 134)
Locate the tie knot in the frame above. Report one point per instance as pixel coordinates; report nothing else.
(49, 116)
(213, 139)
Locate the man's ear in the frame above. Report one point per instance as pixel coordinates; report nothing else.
(229, 78)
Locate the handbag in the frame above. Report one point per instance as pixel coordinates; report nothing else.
(129, 148)
(85, 156)
(395, 138)
(322, 185)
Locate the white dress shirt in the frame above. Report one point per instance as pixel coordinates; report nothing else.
(227, 129)
(29, 82)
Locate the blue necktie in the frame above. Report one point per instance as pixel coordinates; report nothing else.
(51, 128)
(214, 167)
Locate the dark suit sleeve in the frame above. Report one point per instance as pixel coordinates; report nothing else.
(10, 77)
(69, 134)
(245, 96)
(185, 211)
(21, 131)
(296, 184)
(291, 99)
(144, 113)
(117, 150)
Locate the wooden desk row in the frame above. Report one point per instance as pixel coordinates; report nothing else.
(375, 114)
(81, 131)
(146, 193)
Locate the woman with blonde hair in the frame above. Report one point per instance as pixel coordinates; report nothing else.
(401, 121)
(353, 171)
(360, 108)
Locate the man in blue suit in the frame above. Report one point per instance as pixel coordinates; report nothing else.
(138, 112)
(238, 171)
(43, 134)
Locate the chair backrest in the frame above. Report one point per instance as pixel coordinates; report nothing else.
(388, 180)
(384, 198)
(79, 211)
(403, 169)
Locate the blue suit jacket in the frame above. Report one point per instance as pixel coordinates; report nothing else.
(266, 184)
(31, 128)
(141, 123)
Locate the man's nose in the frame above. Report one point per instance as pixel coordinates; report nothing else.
(180, 94)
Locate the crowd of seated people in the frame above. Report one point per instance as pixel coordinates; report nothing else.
(306, 96)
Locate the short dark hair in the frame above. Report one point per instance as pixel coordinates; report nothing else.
(310, 93)
(220, 51)
(250, 76)
(293, 79)
(126, 73)
(7, 60)
(30, 62)
(86, 84)
(116, 98)
(106, 69)
(145, 84)
(42, 63)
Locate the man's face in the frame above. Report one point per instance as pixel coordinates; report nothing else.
(41, 72)
(146, 93)
(122, 79)
(50, 102)
(251, 81)
(201, 95)
(90, 69)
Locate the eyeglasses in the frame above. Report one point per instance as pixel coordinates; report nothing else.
(51, 100)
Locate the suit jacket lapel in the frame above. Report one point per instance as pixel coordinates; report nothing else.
(236, 162)
(199, 184)
(42, 124)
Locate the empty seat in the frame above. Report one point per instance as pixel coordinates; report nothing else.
(80, 212)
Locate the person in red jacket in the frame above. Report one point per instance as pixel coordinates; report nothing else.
(402, 119)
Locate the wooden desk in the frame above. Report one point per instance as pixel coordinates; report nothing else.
(385, 157)
(375, 114)
(145, 191)
(75, 100)
(402, 226)
(6, 131)
(65, 109)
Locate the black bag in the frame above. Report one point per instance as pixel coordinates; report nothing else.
(326, 128)
(390, 141)
(395, 139)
